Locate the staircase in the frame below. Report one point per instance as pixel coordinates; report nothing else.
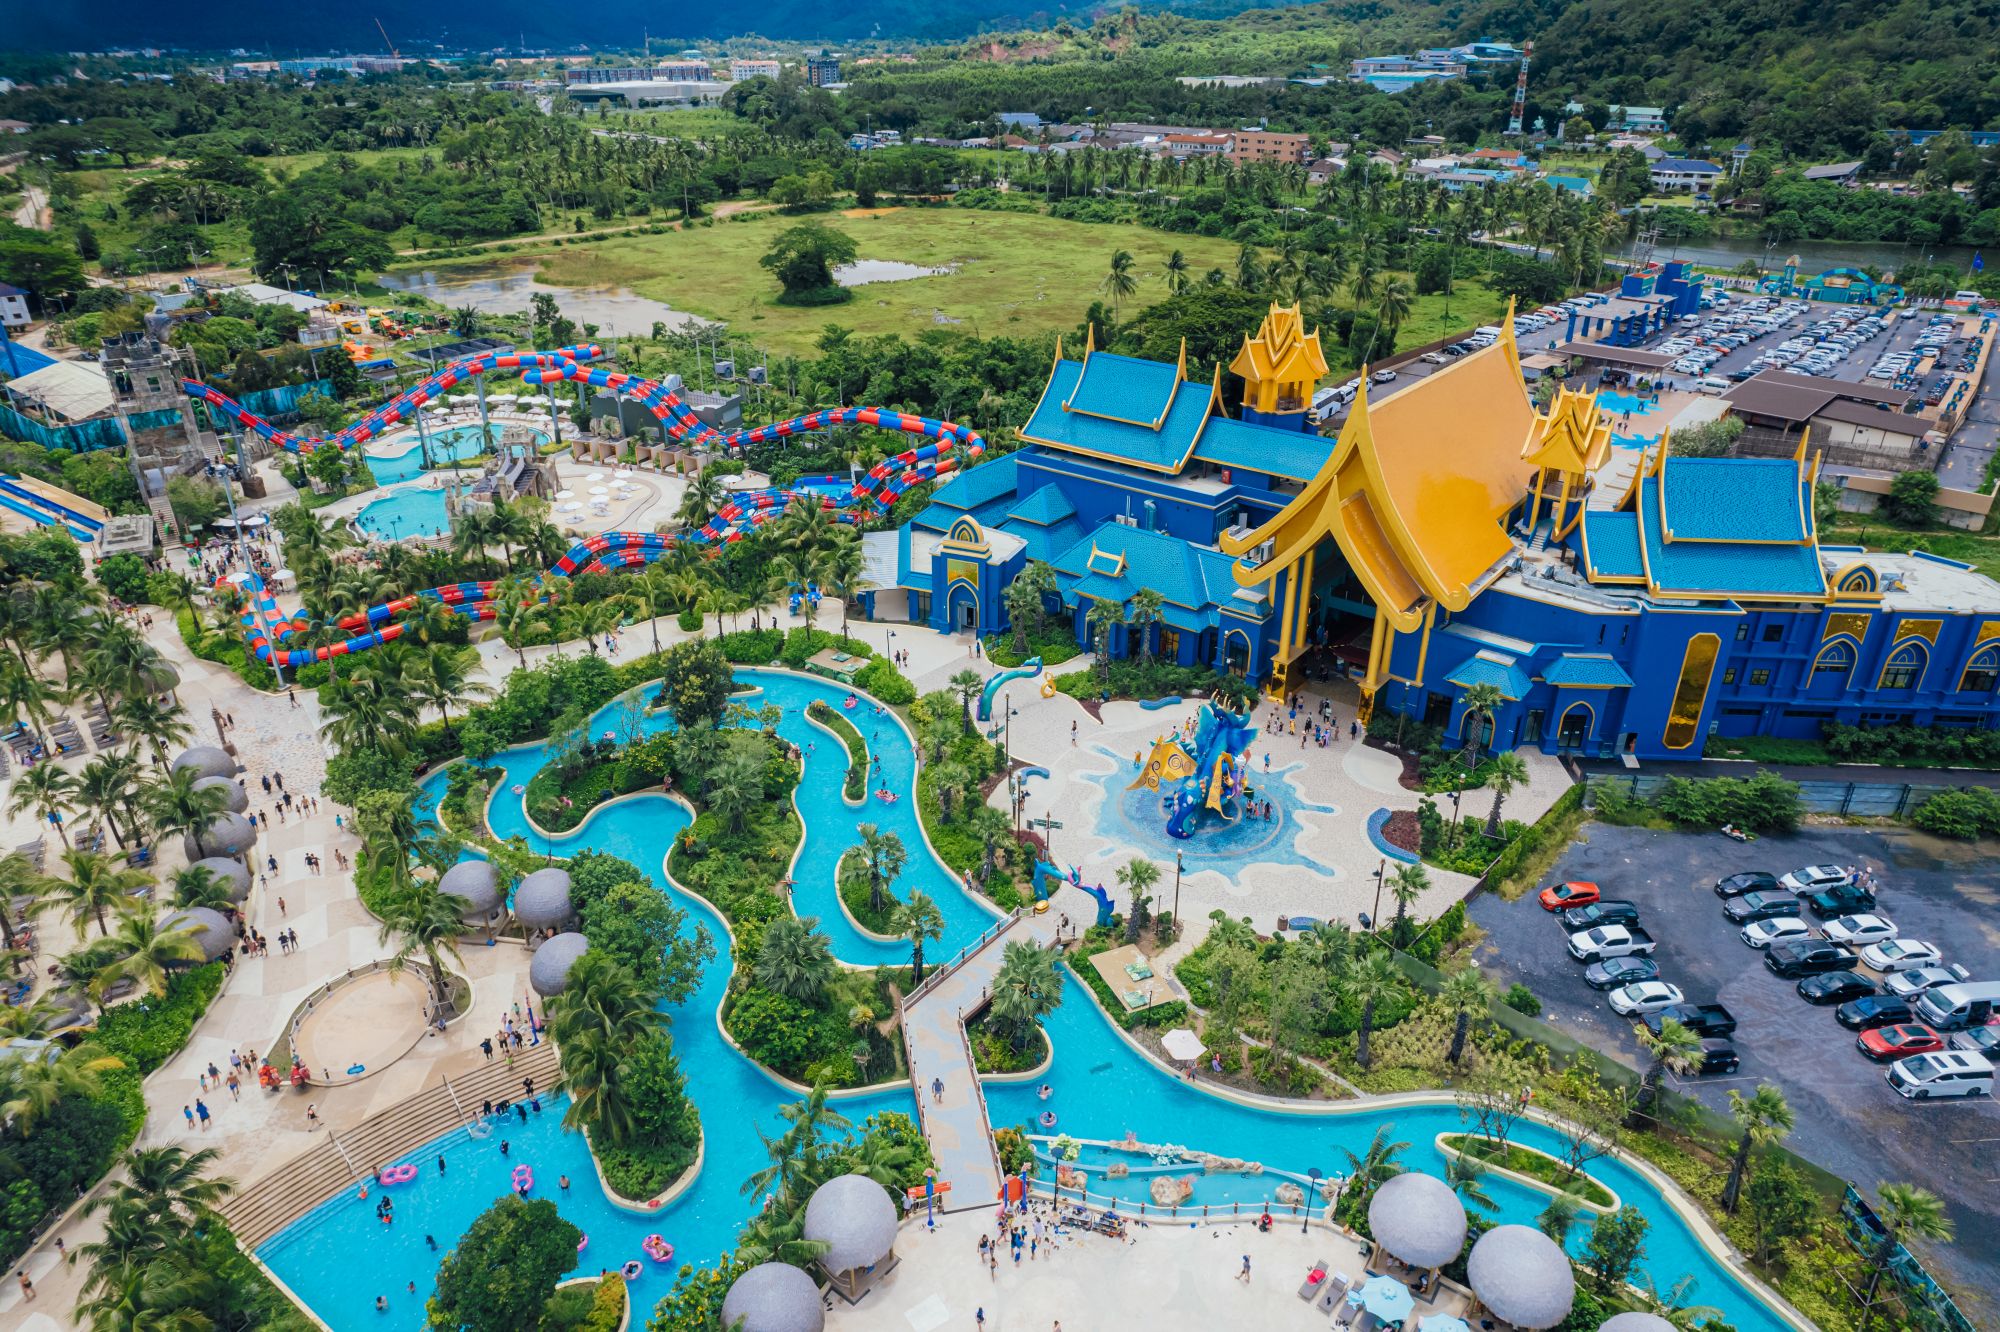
(164, 521)
(1543, 530)
(341, 1161)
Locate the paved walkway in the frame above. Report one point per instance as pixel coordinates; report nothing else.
(954, 1120)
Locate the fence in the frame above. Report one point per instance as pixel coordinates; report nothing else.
(1894, 800)
(108, 433)
(1934, 1308)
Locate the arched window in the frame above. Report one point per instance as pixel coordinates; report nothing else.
(1905, 667)
(1982, 672)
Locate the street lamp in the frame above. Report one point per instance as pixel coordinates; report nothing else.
(1179, 864)
(1305, 1213)
(1381, 873)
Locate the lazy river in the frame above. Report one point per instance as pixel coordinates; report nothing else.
(338, 1257)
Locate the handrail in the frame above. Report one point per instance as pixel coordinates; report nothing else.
(347, 1160)
(452, 1092)
(979, 1089)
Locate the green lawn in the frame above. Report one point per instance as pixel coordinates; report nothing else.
(1012, 273)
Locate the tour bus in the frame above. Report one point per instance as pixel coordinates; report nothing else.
(1956, 1007)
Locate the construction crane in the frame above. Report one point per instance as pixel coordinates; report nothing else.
(1520, 108)
(394, 54)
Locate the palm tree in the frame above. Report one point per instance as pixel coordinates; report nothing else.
(120, 661)
(704, 494)
(197, 887)
(1372, 978)
(1561, 1213)
(883, 857)
(24, 693)
(422, 919)
(1146, 613)
(1370, 1170)
(102, 785)
(1137, 875)
(18, 878)
(1907, 1212)
(1027, 986)
(1118, 282)
(1504, 772)
(918, 920)
(177, 805)
(95, 885)
(603, 1013)
(735, 787)
(1480, 702)
(1466, 1175)
(1674, 1044)
(444, 675)
(1175, 273)
(1407, 885)
(1392, 307)
(1466, 991)
(842, 568)
(1103, 619)
(796, 960)
(1765, 1117)
(49, 791)
(38, 1085)
(145, 952)
(967, 685)
(157, 722)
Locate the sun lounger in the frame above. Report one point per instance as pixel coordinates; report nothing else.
(1334, 1295)
(1367, 1322)
(1138, 971)
(1314, 1284)
(1134, 999)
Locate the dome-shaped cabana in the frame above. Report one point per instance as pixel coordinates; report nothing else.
(227, 834)
(477, 884)
(1635, 1322)
(211, 929)
(231, 874)
(773, 1297)
(1417, 1218)
(205, 761)
(855, 1218)
(542, 901)
(548, 969)
(1522, 1276)
(234, 798)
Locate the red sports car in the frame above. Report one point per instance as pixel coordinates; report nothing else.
(1898, 1042)
(1562, 896)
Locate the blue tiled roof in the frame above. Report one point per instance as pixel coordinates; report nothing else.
(1687, 164)
(1612, 540)
(1191, 584)
(1162, 450)
(1043, 507)
(1293, 454)
(939, 517)
(976, 486)
(1124, 388)
(1046, 541)
(1574, 184)
(1726, 568)
(1588, 670)
(1734, 499)
(1490, 668)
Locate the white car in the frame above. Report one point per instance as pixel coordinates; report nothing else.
(1854, 931)
(1911, 983)
(1781, 929)
(1644, 997)
(1814, 878)
(1900, 955)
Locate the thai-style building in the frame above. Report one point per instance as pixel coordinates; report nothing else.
(1451, 535)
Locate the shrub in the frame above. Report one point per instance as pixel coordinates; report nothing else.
(125, 577)
(1522, 1000)
(856, 784)
(1965, 814)
(881, 678)
(689, 620)
(1764, 802)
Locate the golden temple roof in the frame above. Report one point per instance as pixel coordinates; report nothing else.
(1281, 349)
(1570, 437)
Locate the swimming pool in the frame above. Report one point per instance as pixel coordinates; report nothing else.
(411, 511)
(1101, 1087)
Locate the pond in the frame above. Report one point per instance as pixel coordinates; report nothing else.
(864, 271)
(511, 290)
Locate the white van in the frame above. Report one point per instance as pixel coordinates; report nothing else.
(1956, 1007)
(1947, 1073)
(1712, 384)
(1487, 331)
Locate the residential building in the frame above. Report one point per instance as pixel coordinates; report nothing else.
(1638, 119)
(822, 69)
(1578, 185)
(739, 70)
(1845, 174)
(1182, 146)
(1255, 145)
(677, 71)
(1683, 174)
(14, 127)
(13, 306)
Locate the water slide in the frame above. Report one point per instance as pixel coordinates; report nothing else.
(267, 627)
(1046, 870)
(52, 506)
(1027, 670)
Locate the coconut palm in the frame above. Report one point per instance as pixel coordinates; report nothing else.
(1373, 1167)
(1103, 620)
(38, 1085)
(1371, 978)
(155, 721)
(1137, 875)
(1408, 885)
(1505, 771)
(1480, 702)
(796, 960)
(24, 693)
(1556, 1219)
(104, 784)
(704, 494)
(18, 878)
(1175, 273)
(145, 952)
(918, 920)
(96, 884)
(421, 919)
(842, 568)
(445, 675)
(195, 886)
(736, 786)
(1907, 1213)
(164, 1182)
(1673, 1045)
(1146, 612)
(603, 1013)
(883, 857)
(49, 791)
(1765, 1117)
(1118, 282)
(1027, 987)
(967, 685)
(373, 706)
(1466, 991)
(177, 805)
(120, 661)
(1467, 1177)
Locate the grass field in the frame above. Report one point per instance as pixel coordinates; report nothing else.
(1012, 272)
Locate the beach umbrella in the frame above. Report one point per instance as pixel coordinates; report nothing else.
(599, 490)
(1385, 1297)
(222, 522)
(1181, 1043)
(565, 494)
(1442, 1323)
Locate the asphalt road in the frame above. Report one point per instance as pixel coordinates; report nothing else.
(1849, 1121)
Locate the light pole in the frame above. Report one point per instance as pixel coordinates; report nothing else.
(1179, 864)
(1381, 873)
(1306, 1212)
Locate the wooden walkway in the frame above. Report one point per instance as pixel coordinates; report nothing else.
(934, 1016)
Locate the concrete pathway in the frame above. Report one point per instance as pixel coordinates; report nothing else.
(950, 1105)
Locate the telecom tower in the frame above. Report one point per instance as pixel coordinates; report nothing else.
(1520, 108)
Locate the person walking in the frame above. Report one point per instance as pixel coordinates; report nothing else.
(1244, 1275)
(201, 1113)
(188, 1111)
(937, 1091)
(27, 1286)
(486, 1045)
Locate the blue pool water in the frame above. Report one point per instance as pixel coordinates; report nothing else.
(411, 511)
(338, 1258)
(454, 445)
(1137, 819)
(1610, 400)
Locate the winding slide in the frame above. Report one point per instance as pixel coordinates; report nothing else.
(267, 628)
(1027, 670)
(1046, 870)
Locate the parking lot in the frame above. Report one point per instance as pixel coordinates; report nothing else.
(1849, 1121)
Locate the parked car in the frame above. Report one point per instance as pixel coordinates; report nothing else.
(1701, 1019)
(1952, 1073)
(1600, 913)
(1775, 930)
(1835, 987)
(1760, 906)
(1562, 896)
(1840, 901)
(1980, 1041)
(1434, 358)
(1814, 878)
(1613, 972)
(1716, 1057)
(1608, 941)
(1875, 1010)
(1808, 959)
(1909, 983)
(1898, 1042)
(1859, 931)
(1644, 997)
(1749, 881)
(1900, 955)
(1382, 377)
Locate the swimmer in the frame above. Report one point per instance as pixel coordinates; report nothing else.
(503, 1146)
(381, 1304)
(563, 1180)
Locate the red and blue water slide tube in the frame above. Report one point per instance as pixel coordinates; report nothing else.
(267, 628)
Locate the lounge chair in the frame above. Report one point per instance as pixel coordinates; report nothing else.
(1334, 1295)
(1313, 1284)
(1367, 1322)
